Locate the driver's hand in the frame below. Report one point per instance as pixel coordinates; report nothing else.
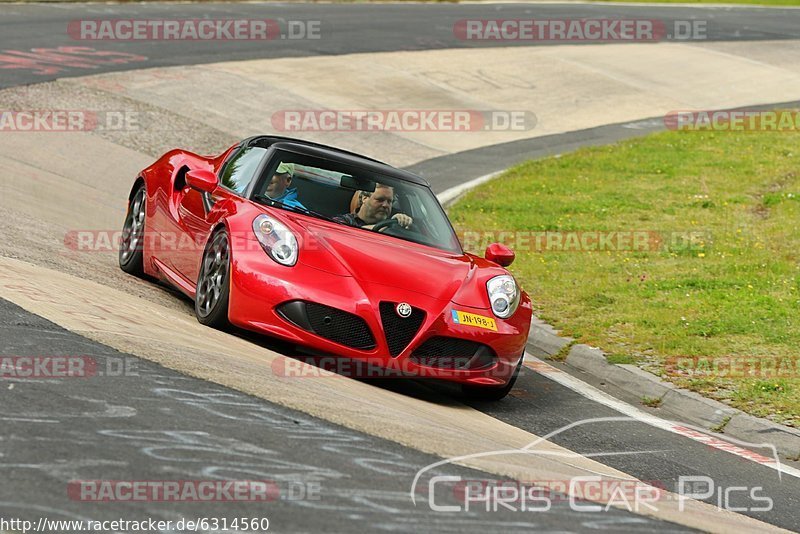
(403, 219)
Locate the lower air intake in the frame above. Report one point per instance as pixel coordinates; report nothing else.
(336, 325)
(453, 353)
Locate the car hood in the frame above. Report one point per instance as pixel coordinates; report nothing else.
(386, 260)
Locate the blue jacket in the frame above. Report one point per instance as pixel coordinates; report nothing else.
(289, 197)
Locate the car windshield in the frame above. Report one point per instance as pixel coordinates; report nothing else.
(357, 197)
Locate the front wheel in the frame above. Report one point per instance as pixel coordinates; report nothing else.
(489, 394)
(213, 283)
(131, 246)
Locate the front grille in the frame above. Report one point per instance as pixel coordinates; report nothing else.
(399, 330)
(453, 353)
(336, 325)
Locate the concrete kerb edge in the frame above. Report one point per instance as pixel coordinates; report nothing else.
(449, 196)
(702, 411)
(544, 341)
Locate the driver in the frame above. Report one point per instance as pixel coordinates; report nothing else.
(376, 207)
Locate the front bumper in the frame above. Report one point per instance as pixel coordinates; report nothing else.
(260, 293)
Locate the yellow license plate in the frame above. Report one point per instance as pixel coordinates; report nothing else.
(471, 319)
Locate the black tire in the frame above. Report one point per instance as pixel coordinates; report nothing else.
(131, 246)
(491, 394)
(213, 283)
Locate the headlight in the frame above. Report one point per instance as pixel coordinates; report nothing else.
(503, 295)
(276, 240)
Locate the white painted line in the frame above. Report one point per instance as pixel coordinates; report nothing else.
(449, 195)
(718, 441)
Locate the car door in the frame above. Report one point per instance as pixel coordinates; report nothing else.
(194, 227)
(199, 212)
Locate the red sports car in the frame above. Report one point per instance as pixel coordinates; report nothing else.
(332, 251)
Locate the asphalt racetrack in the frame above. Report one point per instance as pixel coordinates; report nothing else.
(176, 401)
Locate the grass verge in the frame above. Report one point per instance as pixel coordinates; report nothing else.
(713, 283)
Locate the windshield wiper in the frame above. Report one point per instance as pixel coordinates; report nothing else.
(272, 202)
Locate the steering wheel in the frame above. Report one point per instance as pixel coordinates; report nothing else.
(380, 225)
(392, 227)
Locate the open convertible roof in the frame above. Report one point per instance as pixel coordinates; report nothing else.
(310, 148)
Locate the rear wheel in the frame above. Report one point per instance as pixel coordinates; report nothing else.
(488, 394)
(131, 253)
(213, 283)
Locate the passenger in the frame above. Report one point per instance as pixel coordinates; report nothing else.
(376, 207)
(278, 188)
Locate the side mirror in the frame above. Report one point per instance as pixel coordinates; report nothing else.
(500, 254)
(202, 180)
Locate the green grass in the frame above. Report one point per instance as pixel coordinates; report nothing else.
(722, 424)
(651, 402)
(562, 354)
(722, 282)
(620, 359)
